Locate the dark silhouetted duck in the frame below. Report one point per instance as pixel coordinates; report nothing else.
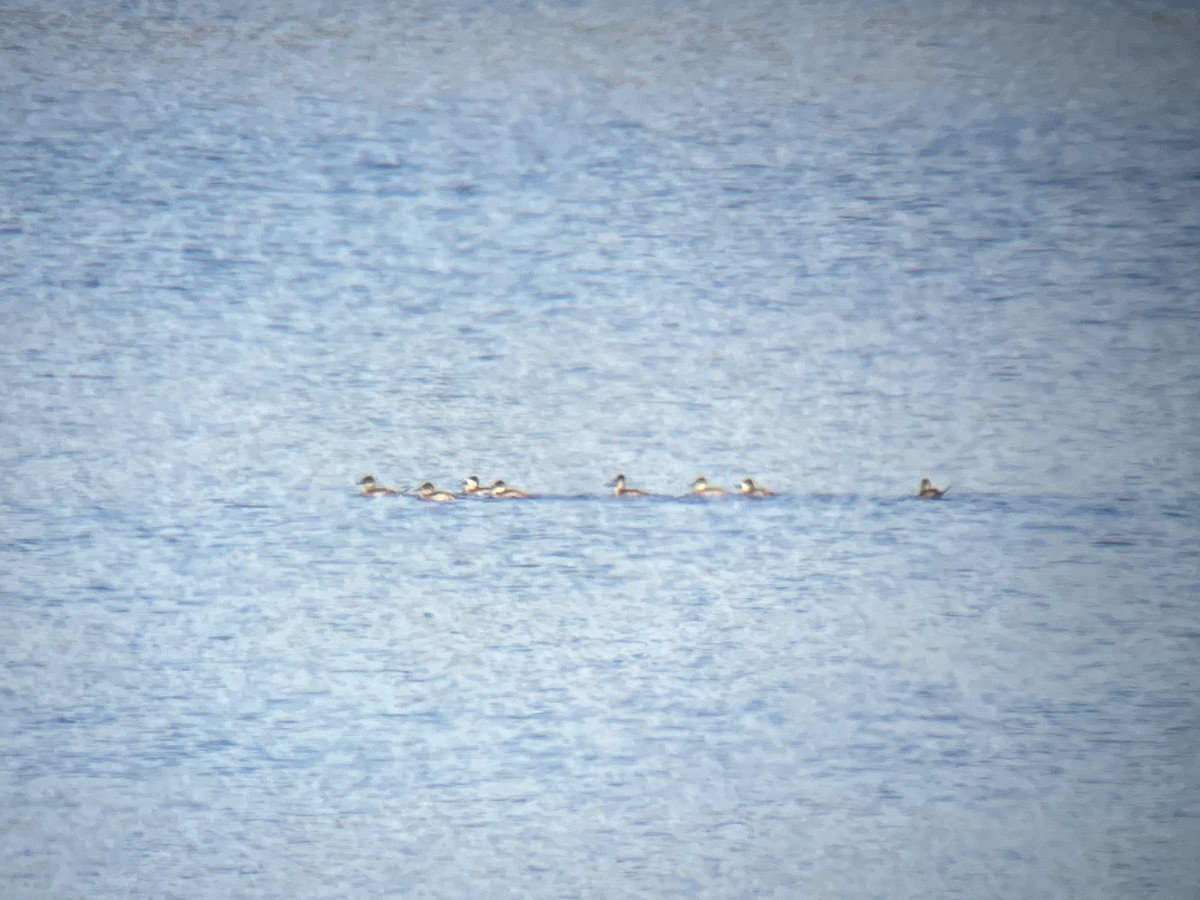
(701, 487)
(620, 490)
(502, 491)
(372, 488)
(747, 488)
(928, 492)
(428, 492)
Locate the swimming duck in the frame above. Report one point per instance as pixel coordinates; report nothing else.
(704, 489)
(473, 488)
(747, 488)
(502, 491)
(620, 490)
(928, 492)
(372, 488)
(428, 492)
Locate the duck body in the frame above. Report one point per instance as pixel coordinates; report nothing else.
(371, 488)
(747, 488)
(431, 494)
(701, 488)
(620, 489)
(926, 491)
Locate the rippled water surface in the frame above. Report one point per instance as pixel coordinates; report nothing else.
(248, 254)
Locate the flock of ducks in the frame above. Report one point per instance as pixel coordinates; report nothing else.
(498, 490)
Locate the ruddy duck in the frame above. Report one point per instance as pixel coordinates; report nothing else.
(747, 488)
(704, 489)
(928, 492)
(502, 491)
(372, 488)
(472, 487)
(620, 490)
(428, 492)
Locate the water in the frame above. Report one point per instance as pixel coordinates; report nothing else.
(247, 255)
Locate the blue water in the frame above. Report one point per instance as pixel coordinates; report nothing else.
(248, 254)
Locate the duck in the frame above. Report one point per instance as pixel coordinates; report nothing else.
(502, 491)
(927, 491)
(701, 487)
(620, 490)
(472, 487)
(372, 488)
(747, 488)
(430, 493)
